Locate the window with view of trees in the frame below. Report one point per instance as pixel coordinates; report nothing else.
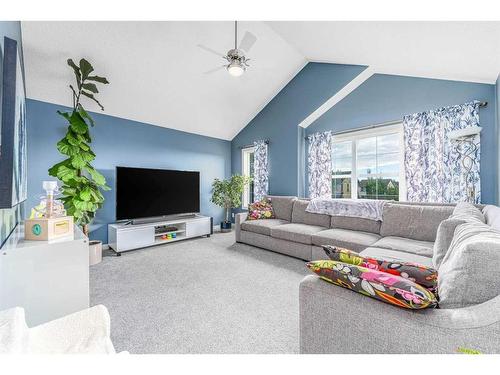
(368, 165)
(342, 168)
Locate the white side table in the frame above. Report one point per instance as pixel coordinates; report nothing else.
(50, 279)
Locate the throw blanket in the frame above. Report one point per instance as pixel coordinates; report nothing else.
(363, 208)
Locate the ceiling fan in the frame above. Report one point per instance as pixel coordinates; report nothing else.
(237, 62)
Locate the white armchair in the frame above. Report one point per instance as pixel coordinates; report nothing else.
(86, 331)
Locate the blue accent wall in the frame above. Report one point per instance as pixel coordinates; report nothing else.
(379, 99)
(9, 217)
(388, 97)
(121, 142)
(278, 122)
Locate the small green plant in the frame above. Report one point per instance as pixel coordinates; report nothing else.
(81, 182)
(227, 193)
(468, 351)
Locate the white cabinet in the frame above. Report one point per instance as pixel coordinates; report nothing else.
(134, 238)
(196, 228)
(126, 236)
(50, 279)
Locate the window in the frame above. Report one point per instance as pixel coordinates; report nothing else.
(247, 170)
(342, 169)
(368, 164)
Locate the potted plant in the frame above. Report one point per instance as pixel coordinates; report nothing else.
(82, 184)
(227, 194)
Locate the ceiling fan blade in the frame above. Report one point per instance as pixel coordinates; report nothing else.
(214, 70)
(248, 41)
(208, 49)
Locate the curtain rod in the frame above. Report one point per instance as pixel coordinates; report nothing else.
(266, 141)
(393, 122)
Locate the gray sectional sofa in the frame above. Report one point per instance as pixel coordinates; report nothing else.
(337, 320)
(407, 232)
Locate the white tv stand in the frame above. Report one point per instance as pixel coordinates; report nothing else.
(125, 236)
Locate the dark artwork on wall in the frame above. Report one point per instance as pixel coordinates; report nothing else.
(13, 158)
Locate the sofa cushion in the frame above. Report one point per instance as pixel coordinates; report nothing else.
(348, 239)
(413, 221)
(282, 206)
(294, 249)
(382, 286)
(260, 210)
(445, 233)
(469, 272)
(419, 273)
(299, 215)
(355, 223)
(377, 252)
(406, 245)
(467, 211)
(262, 226)
(492, 216)
(296, 232)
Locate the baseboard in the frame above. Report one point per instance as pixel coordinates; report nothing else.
(105, 246)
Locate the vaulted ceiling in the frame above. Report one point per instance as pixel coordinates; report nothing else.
(157, 69)
(462, 51)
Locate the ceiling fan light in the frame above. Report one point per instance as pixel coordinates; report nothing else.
(236, 69)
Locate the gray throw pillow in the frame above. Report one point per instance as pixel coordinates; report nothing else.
(467, 211)
(444, 236)
(468, 274)
(463, 212)
(492, 215)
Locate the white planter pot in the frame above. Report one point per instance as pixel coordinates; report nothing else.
(95, 252)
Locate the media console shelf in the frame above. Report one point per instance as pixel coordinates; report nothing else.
(125, 237)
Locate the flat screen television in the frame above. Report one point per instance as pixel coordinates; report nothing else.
(144, 192)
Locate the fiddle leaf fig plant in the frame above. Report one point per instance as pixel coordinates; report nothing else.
(82, 184)
(227, 193)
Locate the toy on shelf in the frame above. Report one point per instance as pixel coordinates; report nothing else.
(48, 220)
(169, 236)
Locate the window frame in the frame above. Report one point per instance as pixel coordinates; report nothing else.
(357, 135)
(245, 171)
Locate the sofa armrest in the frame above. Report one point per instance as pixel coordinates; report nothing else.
(239, 218)
(86, 331)
(337, 320)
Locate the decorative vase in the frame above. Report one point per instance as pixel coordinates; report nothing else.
(225, 226)
(95, 252)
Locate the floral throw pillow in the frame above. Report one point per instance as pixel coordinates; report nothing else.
(423, 275)
(392, 289)
(260, 210)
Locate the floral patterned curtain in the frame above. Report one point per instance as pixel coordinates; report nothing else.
(260, 171)
(319, 164)
(433, 165)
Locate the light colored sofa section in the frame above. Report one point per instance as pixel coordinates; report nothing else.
(337, 320)
(347, 238)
